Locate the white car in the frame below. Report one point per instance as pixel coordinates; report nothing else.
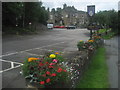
(50, 26)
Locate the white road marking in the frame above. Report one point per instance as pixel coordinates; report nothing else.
(12, 65)
(10, 61)
(10, 69)
(29, 49)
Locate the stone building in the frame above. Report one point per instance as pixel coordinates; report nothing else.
(68, 16)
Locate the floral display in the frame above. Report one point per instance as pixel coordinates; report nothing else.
(45, 71)
(81, 45)
(90, 44)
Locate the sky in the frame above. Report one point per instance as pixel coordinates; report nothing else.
(100, 5)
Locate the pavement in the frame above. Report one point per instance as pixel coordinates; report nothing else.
(112, 50)
(15, 49)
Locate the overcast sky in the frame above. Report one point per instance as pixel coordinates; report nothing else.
(100, 5)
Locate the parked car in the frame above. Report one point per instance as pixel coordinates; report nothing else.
(59, 27)
(50, 26)
(70, 27)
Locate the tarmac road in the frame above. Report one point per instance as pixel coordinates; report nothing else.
(17, 48)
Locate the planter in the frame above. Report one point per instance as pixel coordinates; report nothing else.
(81, 49)
(37, 86)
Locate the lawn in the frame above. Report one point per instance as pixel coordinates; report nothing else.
(96, 76)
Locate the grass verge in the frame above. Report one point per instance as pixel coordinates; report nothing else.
(96, 76)
(109, 35)
(102, 30)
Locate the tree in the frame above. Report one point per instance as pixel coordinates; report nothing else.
(107, 18)
(23, 14)
(11, 13)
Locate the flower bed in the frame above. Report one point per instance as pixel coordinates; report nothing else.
(90, 45)
(45, 72)
(63, 74)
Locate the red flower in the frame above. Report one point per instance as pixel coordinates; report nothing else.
(48, 80)
(41, 64)
(47, 63)
(44, 75)
(50, 66)
(42, 82)
(64, 70)
(48, 73)
(53, 74)
(59, 70)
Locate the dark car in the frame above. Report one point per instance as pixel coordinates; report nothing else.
(70, 27)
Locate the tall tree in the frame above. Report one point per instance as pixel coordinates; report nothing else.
(107, 18)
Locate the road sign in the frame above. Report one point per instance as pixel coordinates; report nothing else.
(91, 10)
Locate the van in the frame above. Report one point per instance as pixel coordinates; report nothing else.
(50, 26)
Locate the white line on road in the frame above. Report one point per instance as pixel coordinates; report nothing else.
(10, 61)
(12, 65)
(10, 68)
(29, 49)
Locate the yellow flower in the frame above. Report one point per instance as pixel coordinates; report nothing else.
(81, 40)
(31, 59)
(52, 56)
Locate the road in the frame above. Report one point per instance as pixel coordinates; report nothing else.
(18, 48)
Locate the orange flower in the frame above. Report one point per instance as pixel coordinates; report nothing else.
(56, 53)
(31, 59)
(90, 40)
(48, 80)
(42, 82)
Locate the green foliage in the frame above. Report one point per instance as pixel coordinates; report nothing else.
(109, 35)
(21, 14)
(102, 30)
(96, 76)
(108, 19)
(81, 45)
